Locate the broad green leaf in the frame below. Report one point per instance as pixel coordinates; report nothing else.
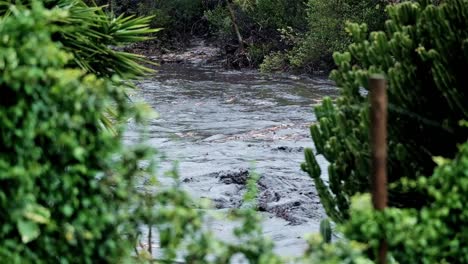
(28, 231)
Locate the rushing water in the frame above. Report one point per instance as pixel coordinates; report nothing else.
(220, 124)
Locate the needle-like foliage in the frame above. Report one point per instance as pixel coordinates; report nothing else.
(424, 54)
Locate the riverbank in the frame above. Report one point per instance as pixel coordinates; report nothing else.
(197, 52)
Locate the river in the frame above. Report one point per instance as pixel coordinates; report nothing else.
(221, 125)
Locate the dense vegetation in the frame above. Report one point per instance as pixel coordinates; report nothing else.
(277, 35)
(311, 49)
(180, 19)
(422, 53)
(68, 186)
(437, 233)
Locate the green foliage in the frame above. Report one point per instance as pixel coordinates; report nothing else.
(178, 18)
(326, 230)
(344, 251)
(66, 188)
(276, 14)
(273, 62)
(257, 52)
(435, 234)
(422, 53)
(219, 22)
(91, 36)
(326, 30)
(260, 23)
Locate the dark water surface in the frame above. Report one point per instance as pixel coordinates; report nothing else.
(220, 124)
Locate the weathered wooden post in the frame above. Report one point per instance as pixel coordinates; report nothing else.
(378, 137)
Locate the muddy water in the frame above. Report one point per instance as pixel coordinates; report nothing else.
(222, 125)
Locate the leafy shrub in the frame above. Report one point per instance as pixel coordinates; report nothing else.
(273, 62)
(219, 22)
(435, 234)
(326, 30)
(67, 190)
(422, 53)
(277, 14)
(177, 18)
(344, 251)
(257, 52)
(259, 23)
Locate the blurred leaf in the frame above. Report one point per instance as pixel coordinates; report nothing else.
(28, 231)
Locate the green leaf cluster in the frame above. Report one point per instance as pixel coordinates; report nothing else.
(92, 36)
(67, 187)
(178, 18)
(435, 234)
(260, 23)
(326, 33)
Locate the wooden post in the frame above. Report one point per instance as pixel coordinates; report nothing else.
(378, 137)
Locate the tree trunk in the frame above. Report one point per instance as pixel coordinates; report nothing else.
(234, 25)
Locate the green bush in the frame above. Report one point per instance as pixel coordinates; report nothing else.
(93, 38)
(437, 233)
(344, 251)
(326, 30)
(219, 22)
(276, 14)
(260, 24)
(273, 62)
(178, 18)
(66, 186)
(422, 53)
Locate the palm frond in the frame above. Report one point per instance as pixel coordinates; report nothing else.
(95, 38)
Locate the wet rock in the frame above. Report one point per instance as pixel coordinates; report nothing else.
(187, 180)
(214, 137)
(266, 197)
(223, 203)
(264, 183)
(234, 177)
(226, 196)
(286, 214)
(289, 149)
(198, 53)
(288, 210)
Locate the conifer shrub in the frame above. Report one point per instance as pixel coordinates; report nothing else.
(423, 52)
